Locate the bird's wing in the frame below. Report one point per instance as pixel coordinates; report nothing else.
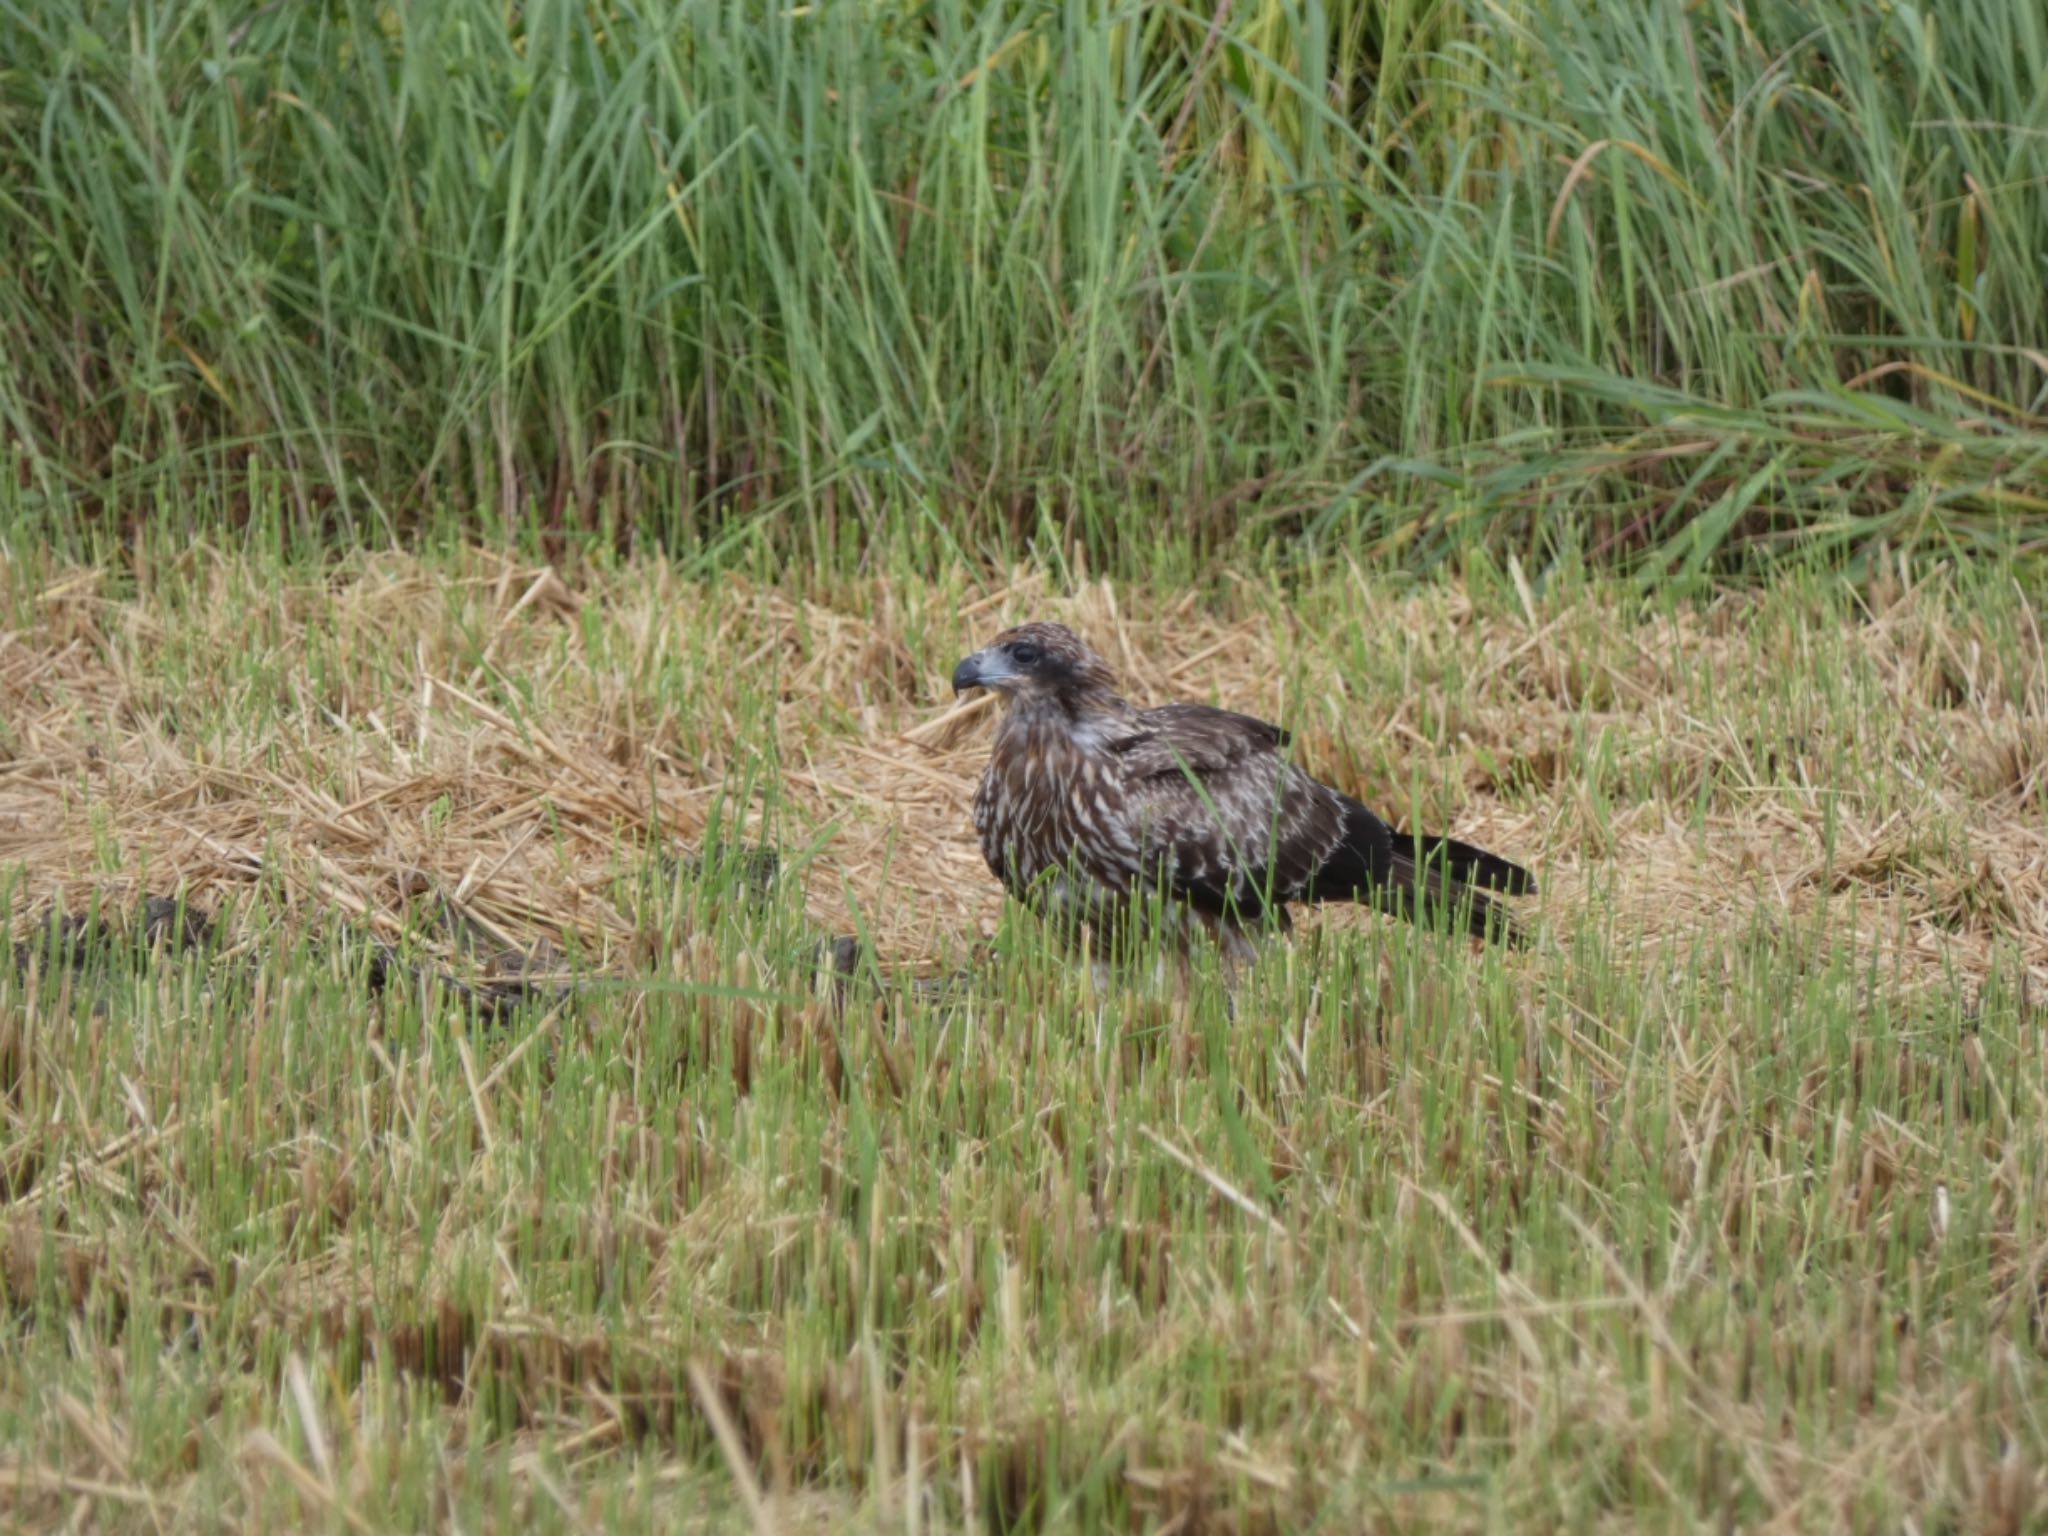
(1224, 818)
(1233, 827)
(1207, 738)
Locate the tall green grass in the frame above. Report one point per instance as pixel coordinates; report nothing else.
(800, 279)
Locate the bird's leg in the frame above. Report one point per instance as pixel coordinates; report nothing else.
(1238, 951)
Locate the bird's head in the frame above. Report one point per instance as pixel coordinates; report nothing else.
(1038, 664)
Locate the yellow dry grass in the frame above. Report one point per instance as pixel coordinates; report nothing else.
(354, 746)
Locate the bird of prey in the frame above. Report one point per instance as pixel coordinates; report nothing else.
(1091, 806)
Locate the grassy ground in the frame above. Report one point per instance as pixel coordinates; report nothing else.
(1717, 1206)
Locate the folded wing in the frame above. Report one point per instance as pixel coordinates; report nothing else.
(1222, 817)
(1224, 821)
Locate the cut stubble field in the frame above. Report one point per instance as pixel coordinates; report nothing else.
(838, 1199)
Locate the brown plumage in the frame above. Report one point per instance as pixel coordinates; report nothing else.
(1090, 804)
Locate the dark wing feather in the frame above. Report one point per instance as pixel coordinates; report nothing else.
(1227, 821)
(1202, 737)
(1424, 880)
(1475, 867)
(1233, 826)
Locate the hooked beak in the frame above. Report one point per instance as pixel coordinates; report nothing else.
(984, 669)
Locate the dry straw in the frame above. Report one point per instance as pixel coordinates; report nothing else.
(352, 750)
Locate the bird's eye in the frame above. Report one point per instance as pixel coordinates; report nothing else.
(1025, 654)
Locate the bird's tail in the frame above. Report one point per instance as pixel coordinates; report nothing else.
(1432, 880)
(1468, 865)
(1440, 880)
